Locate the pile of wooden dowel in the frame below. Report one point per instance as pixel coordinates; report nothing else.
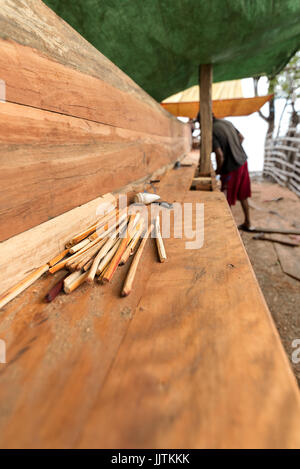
(96, 252)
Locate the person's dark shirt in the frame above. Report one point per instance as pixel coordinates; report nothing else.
(227, 137)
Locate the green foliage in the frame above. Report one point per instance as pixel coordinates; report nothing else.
(287, 82)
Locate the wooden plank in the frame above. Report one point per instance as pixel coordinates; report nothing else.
(36, 26)
(52, 128)
(202, 365)
(73, 126)
(277, 229)
(63, 351)
(168, 373)
(59, 354)
(289, 258)
(202, 179)
(33, 248)
(47, 159)
(215, 185)
(203, 187)
(57, 178)
(202, 183)
(277, 238)
(192, 158)
(34, 80)
(205, 118)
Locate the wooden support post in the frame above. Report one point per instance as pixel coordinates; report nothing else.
(205, 82)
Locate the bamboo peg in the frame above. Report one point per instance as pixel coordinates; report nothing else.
(105, 244)
(100, 279)
(64, 263)
(127, 288)
(76, 283)
(69, 260)
(83, 234)
(22, 285)
(71, 278)
(131, 245)
(79, 246)
(72, 267)
(106, 229)
(99, 257)
(135, 220)
(115, 261)
(117, 257)
(74, 260)
(135, 241)
(107, 226)
(106, 259)
(93, 236)
(159, 242)
(79, 265)
(58, 258)
(90, 254)
(89, 264)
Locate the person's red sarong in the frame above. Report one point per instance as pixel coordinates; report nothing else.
(236, 184)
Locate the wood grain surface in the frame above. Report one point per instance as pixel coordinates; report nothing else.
(44, 84)
(26, 251)
(205, 79)
(31, 23)
(52, 163)
(191, 359)
(74, 126)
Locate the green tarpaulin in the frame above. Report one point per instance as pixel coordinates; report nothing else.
(160, 43)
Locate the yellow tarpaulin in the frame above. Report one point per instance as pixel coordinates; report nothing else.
(227, 98)
(223, 90)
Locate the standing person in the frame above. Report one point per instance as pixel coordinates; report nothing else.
(232, 166)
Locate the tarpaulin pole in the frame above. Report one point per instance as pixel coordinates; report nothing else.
(205, 82)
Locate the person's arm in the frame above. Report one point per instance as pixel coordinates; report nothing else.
(219, 153)
(241, 137)
(219, 158)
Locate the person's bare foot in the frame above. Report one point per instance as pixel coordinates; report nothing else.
(246, 227)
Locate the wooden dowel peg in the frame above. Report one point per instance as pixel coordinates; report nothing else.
(127, 288)
(22, 285)
(118, 255)
(159, 241)
(89, 264)
(76, 283)
(79, 246)
(71, 278)
(69, 260)
(131, 245)
(58, 258)
(106, 259)
(58, 287)
(83, 234)
(102, 253)
(91, 254)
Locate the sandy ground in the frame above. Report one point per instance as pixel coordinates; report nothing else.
(282, 292)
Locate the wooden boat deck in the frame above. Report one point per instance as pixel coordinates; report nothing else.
(191, 359)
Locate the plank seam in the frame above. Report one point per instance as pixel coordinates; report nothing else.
(85, 119)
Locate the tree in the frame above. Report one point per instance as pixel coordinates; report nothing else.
(270, 119)
(288, 87)
(285, 85)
